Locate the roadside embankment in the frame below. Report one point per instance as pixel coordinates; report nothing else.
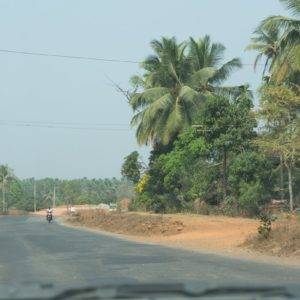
(216, 234)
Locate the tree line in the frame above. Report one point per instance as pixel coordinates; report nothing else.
(33, 194)
(209, 143)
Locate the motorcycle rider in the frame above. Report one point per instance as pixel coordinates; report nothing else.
(49, 212)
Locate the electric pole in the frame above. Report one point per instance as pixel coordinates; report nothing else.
(54, 196)
(34, 195)
(3, 193)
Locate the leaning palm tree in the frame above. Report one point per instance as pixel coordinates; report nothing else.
(287, 61)
(176, 81)
(267, 43)
(290, 26)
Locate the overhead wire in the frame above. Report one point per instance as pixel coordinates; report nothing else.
(110, 60)
(71, 125)
(65, 125)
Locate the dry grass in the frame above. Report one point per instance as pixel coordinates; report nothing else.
(284, 239)
(129, 223)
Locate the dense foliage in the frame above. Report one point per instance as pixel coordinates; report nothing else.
(210, 146)
(131, 168)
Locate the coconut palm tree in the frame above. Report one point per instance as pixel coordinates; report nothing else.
(208, 73)
(166, 103)
(290, 27)
(266, 43)
(6, 177)
(286, 63)
(176, 80)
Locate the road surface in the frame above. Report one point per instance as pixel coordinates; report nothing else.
(33, 251)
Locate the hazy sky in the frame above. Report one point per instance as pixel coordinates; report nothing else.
(45, 89)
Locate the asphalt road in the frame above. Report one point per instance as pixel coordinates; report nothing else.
(32, 251)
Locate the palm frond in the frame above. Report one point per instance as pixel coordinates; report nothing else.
(225, 71)
(202, 76)
(292, 5)
(148, 96)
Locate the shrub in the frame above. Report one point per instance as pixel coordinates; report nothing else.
(265, 226)
(250, 196)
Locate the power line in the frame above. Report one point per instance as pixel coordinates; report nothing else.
(54, 126)
(68, 56)
(113, 60)
(62, 123)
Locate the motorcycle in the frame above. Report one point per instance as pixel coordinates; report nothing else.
(49, 217)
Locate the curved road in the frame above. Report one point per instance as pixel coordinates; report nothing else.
(33, 251)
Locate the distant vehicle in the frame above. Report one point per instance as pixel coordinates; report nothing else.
(103, 206)
(112, 207)
(72, 210)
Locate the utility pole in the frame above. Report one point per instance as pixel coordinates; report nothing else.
(3, 193)
(54, 196)
(34, 195)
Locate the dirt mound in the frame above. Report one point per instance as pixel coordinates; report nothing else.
(130, 223)
(284, 240)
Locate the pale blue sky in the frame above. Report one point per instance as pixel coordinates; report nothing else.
(60, 90)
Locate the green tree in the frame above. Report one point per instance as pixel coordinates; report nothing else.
(16, 197)
(131, 167)
(194, 167)
(250, 180)
(281, 136)
(6, 177)
(227, 125)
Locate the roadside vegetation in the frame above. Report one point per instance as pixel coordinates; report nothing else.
(213, 151)
(30, 194)
(282, 240)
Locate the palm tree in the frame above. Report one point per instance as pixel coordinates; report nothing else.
(207, 71)
(286, 63)
(176, 80)
(290, 27)
(6, 176)
(266, 43)
(166, 103)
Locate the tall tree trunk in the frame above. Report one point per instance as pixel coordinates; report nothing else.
(290, 187)
(281, 179)
(224, 174)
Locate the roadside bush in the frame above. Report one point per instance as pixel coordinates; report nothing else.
(200, 207)
(166, 203)
(139, 203)
(229, 207)
(250, 197)
(265, 226)
(283, 239)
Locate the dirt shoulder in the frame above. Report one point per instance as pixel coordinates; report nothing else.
(210, 234)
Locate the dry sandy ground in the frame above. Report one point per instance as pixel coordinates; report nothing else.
(214, 234)
(211, 234)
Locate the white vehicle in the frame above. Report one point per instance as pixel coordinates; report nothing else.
(103, 206)
(112, 207)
